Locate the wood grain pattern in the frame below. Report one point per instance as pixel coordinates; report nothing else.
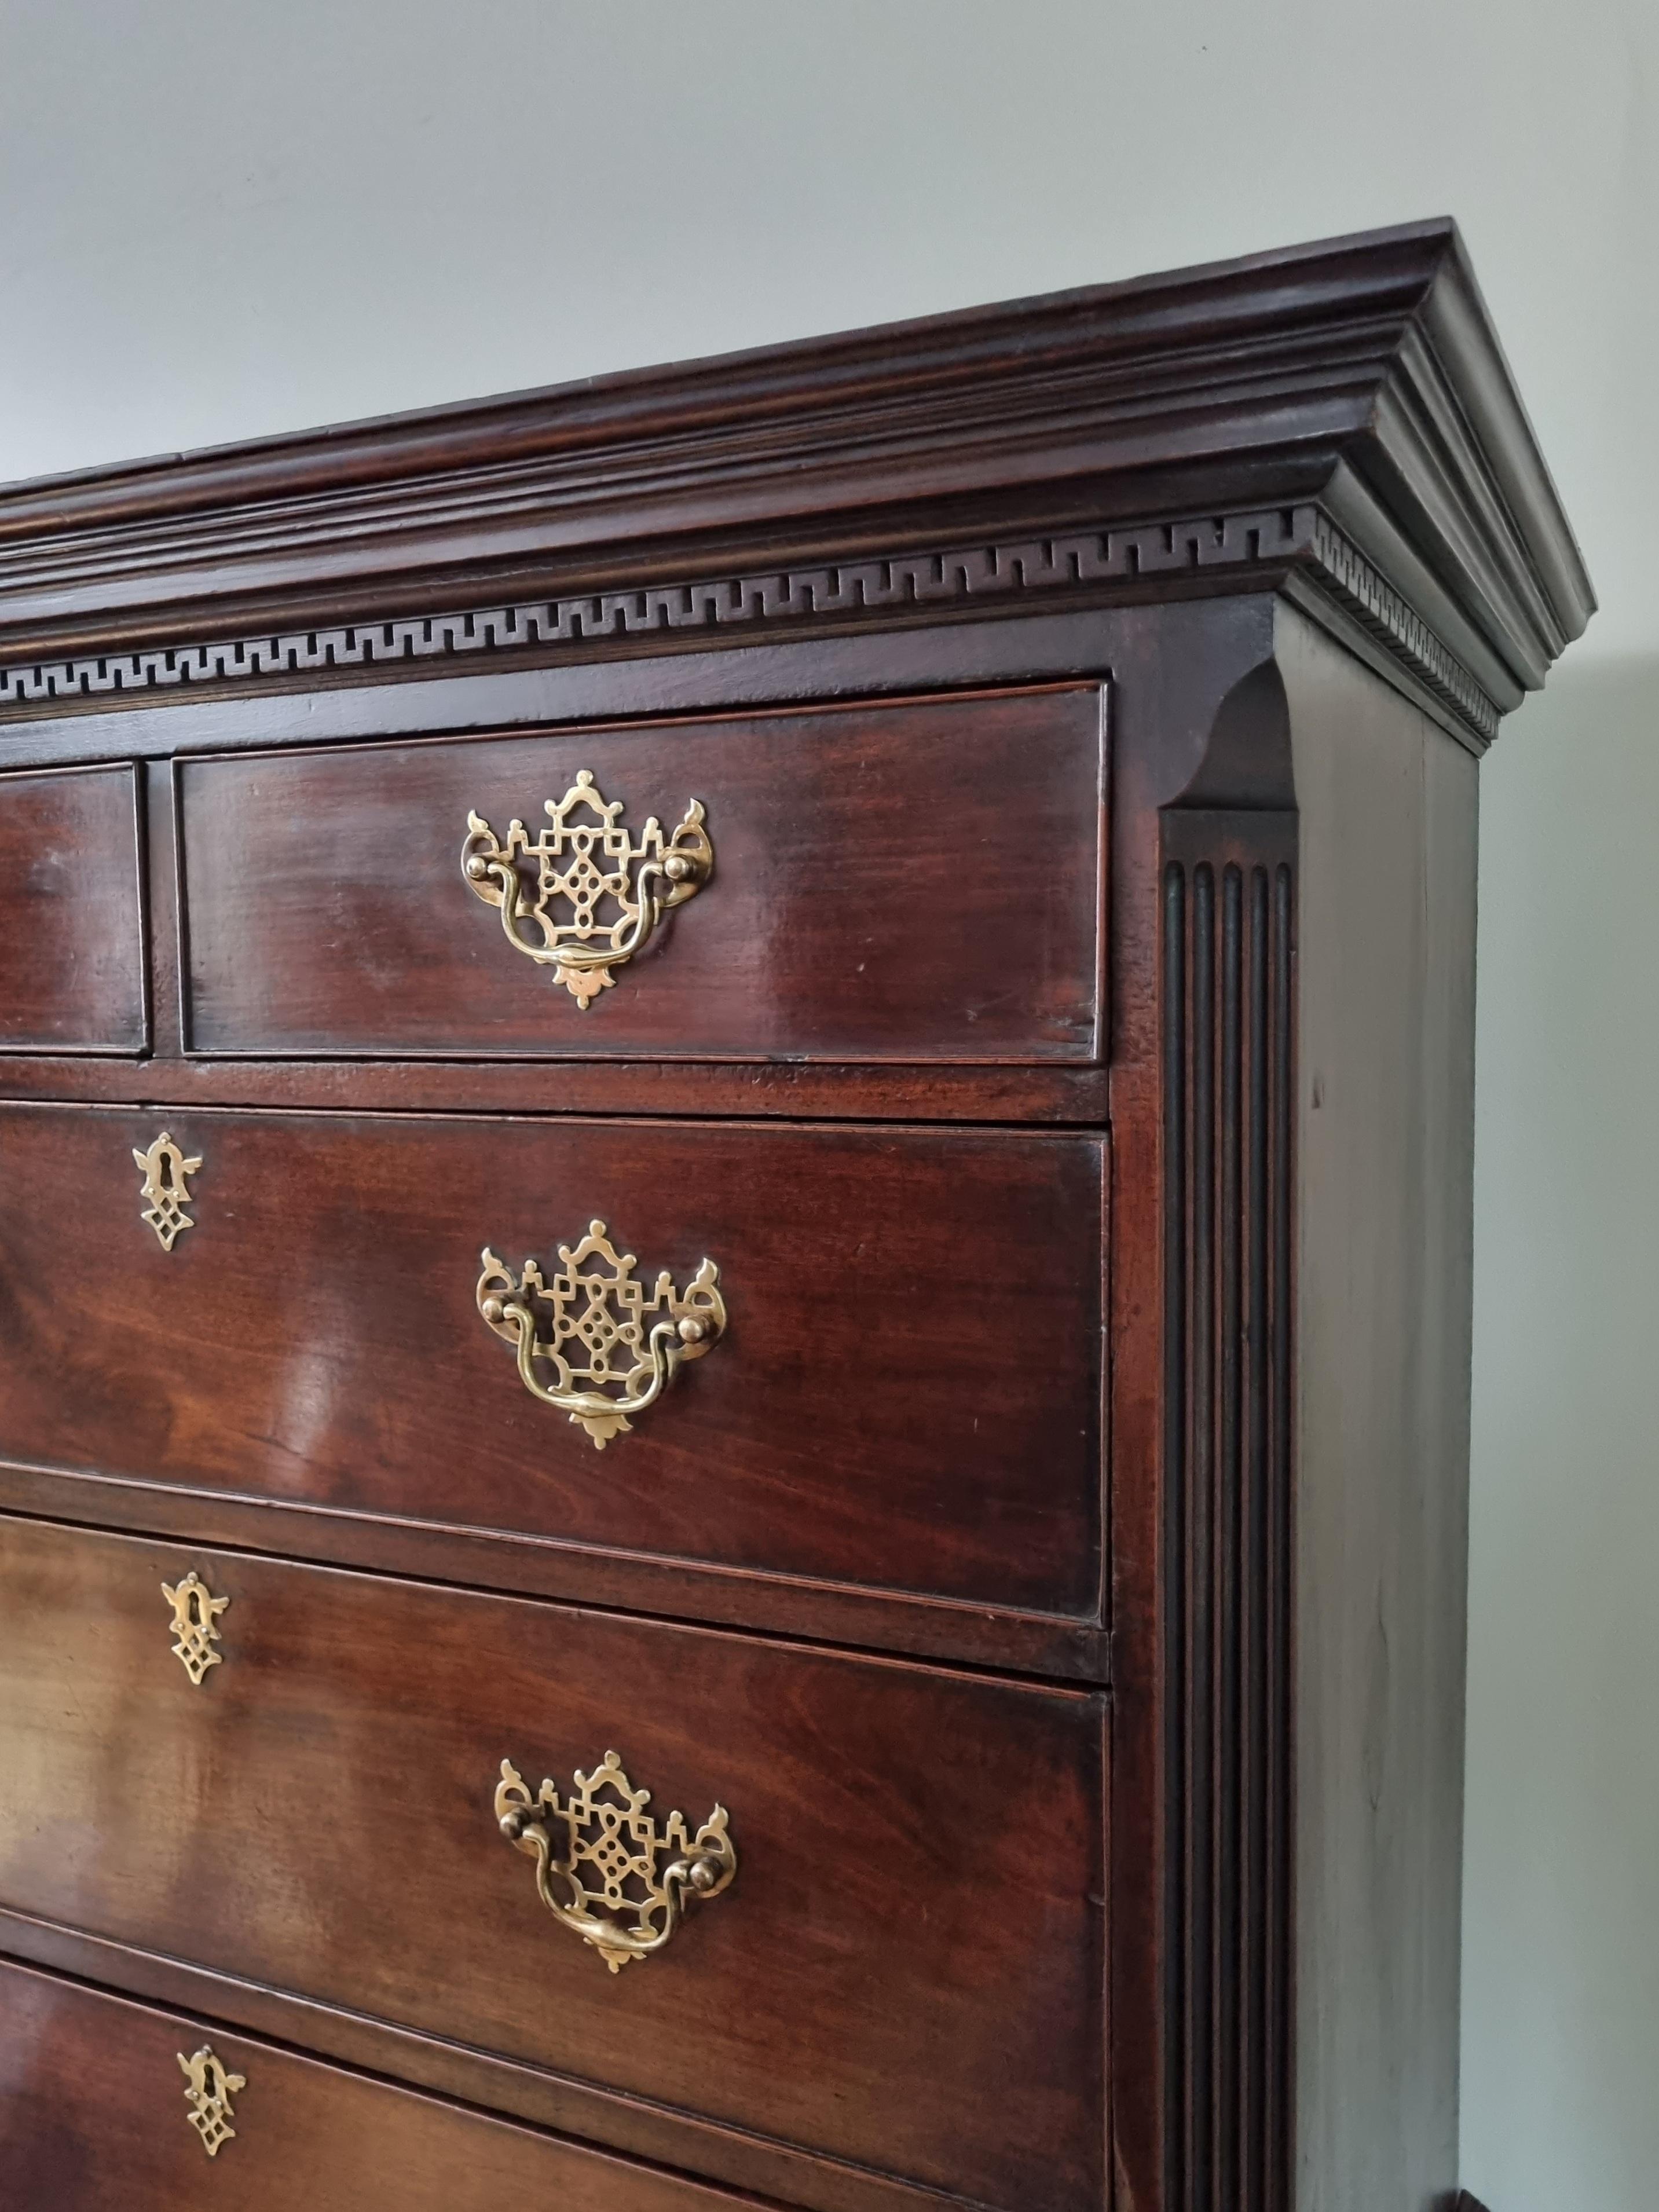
(903, 882)
(93, 2116)
(703, 1090)
(918, 1897)
(72, 974)
(1054, 1645)
(907, 1396)
(567, 2106)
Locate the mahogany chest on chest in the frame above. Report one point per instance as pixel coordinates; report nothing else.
(735, 1115)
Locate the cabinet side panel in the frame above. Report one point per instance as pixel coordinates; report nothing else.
(1386, 1008)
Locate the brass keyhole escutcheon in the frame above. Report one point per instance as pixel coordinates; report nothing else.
(196, 1614)
(211, 2087)
(166, 1189)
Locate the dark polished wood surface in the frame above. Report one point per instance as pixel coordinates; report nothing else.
(1360, 373)
(920, 1853)
(93, 2118)
(1388, 973)
(1286, 514)
(72, 959)
(908, 1395)
(900, 882)
(581, 2109)
(978, 1634)
(1230, 922)
(698, 1090)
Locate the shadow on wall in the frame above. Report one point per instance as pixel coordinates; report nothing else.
(1561, 1881)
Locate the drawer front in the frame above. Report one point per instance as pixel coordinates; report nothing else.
(918, 1855)
(906, 1395)
(96, 2114)
(899, 882)
(72, 963)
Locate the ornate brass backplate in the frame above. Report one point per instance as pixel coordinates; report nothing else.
(603, 1870)
(587, 1325)
(209, 2097)
(195, 1624)
(595, 896)
(165, 1190)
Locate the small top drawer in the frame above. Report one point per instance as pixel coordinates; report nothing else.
(902, 881)
(72, 972)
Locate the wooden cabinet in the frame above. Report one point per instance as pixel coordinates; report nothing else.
(734, 1280)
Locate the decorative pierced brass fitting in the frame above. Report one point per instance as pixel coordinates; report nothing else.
(209, 2097)
(602, 1869)
(588, 1326)
(597, 896)
(195, 1624)
(165, 1189)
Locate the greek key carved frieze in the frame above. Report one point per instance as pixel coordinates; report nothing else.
(895, 585)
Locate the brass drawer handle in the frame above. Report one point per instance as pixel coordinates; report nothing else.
(588, 1325)
(597, 896)
(603, 1870)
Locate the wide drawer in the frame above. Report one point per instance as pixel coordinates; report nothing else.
(913, 881)
(72, 963)
(906, 1396)
(918, 1855)
(97, 2114)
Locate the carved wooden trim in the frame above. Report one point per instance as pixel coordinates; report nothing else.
(1228, 928)
(899, 587)
(1350, 578)
(1365, 366)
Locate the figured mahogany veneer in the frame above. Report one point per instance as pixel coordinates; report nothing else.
(1182, 1500)
(920, 1853)
(95, 2118)
(898, 883)
(73, 974)
(908, 1395)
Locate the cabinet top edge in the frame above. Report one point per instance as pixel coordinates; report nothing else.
(1251, 383)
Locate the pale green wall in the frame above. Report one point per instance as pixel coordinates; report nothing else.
(226, 218)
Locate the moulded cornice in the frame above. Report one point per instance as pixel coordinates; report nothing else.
(1359, 378)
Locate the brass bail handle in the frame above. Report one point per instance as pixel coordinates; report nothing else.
(609, 1351)
(604, 1868)
(596, 894)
